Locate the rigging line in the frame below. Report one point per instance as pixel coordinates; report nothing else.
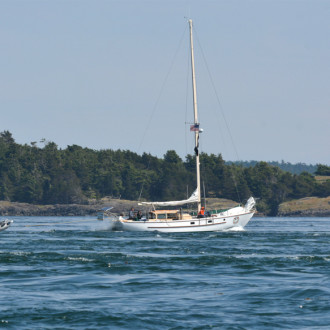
(156, 104)
(187, 88)
(204, 172)
(144, 180)
(162, 89)
(218, 99)
(222, 113)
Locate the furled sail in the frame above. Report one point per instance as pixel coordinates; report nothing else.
(250, 204)
(194, 198)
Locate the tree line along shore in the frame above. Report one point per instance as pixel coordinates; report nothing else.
(48, 180)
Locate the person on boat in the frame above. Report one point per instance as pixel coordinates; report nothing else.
(201, 213)
(139, 215)
(131, 214)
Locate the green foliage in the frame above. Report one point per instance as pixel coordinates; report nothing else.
(322, 170)
(285, 166)
(50, 175)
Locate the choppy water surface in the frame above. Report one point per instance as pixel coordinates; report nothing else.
(67, 273)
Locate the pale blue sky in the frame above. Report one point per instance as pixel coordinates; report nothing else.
(90, 73)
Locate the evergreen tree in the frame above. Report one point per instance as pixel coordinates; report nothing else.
(322, 170)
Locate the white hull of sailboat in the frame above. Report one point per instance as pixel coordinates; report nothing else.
(4, 224)
(218, 223)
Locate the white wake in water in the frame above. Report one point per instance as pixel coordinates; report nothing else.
(236, 229)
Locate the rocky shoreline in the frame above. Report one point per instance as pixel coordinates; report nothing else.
(25, 209)
(305, 213)
(305, 207)
(90, 208)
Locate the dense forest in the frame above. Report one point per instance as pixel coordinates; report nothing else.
(285, 166)
(50, 175)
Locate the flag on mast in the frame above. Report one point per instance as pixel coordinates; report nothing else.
(194, 128)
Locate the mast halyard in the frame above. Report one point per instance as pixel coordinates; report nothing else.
(199, 204)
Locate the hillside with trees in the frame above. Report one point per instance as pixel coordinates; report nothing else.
(297, 168)
(49, 175)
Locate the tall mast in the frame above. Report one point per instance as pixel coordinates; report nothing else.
(195, 117)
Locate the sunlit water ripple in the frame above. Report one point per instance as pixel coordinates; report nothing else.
(66, 273)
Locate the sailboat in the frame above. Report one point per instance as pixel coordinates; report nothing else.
(4, 224)
(172, 221)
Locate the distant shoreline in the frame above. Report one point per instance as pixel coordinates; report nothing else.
(305, 207)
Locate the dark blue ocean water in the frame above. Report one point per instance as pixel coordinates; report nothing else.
(73, 274)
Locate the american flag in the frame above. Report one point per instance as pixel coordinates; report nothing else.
(194, 128)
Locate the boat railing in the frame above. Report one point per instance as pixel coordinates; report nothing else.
(216, 211)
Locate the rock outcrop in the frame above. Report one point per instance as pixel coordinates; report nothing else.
(306, 207)
(25, 209)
